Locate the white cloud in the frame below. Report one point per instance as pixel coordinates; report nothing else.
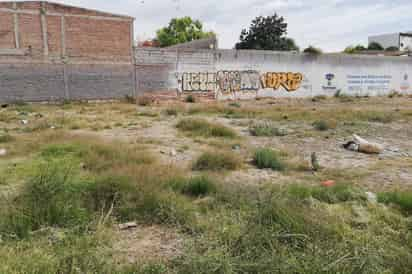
(328, 24)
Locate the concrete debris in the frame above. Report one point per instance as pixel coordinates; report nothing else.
(361, 145)
(372, 198)
(3, 152)
(126, 226)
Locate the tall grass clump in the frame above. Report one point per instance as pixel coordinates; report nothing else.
(338, 193)
(324, 125)
(266, 130)
(217, 161)
(52, 197)
(6, 138)
(403, 200)
(201, 127)
(265, 158)
(198, 186)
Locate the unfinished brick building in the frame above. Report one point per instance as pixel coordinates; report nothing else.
(40, 29)
(53, 52)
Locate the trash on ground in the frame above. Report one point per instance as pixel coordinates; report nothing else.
(361, 145)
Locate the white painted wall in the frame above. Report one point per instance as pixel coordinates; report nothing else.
(321, 75)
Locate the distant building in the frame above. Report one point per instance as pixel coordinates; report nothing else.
(401, 40)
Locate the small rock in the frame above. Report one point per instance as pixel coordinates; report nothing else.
(371, 197)
(24, 122)
(3, 152)
(236, 147)
(126, 226)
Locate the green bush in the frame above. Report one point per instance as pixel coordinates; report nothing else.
(190, 99)
(267, 158)
(266, 130)
(204, 128)
(323, 125)
(199, 187)
(171, 112)
(6, 138)
(401, 199)
(216, 161)
(194, 187)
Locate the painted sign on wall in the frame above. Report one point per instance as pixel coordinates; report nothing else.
(370, 82)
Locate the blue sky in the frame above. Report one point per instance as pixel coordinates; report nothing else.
(328, 24)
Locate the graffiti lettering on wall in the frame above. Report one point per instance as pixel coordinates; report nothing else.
(237, 81)
(227, 82)
(288, 80)
(199, 81)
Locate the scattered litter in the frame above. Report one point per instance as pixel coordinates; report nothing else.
(315, 162)
(236, 147)
(328, 183)
(24, 122)
(126, 226)
(371, 197)
(3, 152)
(173, 152)
(361, 145)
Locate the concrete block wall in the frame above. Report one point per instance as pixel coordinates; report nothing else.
(55, 82)
(232, 74)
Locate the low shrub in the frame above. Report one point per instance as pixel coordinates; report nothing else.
(324, 125)
(6, 138)
(190, 99)
(319, 98)
(53, 197)
(266, 130)
(204, 128)
(216, 161)
(267, 158)
(171, 112)
(199, 187)
(378, 117)
(401, 199)
(130, 99)
(144, 101)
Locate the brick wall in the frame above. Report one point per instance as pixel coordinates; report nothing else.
(71, 33)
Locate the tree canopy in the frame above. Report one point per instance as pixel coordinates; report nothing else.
(375, 46)
(267, 33)
(181, 30)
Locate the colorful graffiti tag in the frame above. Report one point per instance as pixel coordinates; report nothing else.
(228, 82)
(288, 80)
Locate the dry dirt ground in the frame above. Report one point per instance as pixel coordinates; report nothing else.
(155, 128)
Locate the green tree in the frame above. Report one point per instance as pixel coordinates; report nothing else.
(375, 46)
(181, 30)
(392, 49)
(354, 49)
(266, 33)
(312, 50)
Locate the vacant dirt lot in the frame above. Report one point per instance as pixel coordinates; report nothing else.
(170, 139)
